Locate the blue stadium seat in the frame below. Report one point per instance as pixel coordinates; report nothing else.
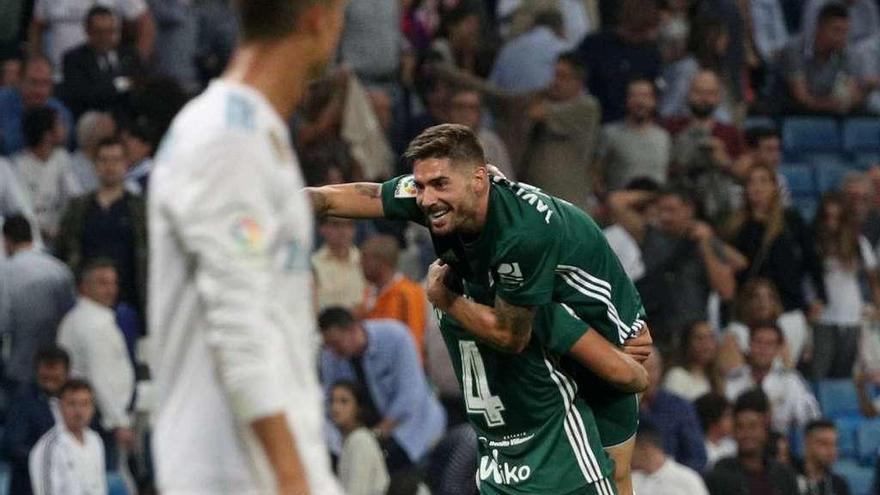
(861, 135)
(796, 441)
(801, 181)
(847, 430)
(829, 176)
(859, 478)
(868, 440)
(4, 478)
(810, 135)
(822, 159)
(838, 398)
(115, 484)
(756, 122)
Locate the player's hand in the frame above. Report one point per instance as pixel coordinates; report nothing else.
(438, 294)
(640, 347)
(701, 231)
(125, 438)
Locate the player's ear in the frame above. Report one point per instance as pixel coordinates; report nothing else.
(480, 177)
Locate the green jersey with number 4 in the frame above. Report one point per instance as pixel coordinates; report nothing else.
(536, 435)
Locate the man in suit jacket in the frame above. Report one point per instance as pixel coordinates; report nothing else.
(98, 74)
(32, 413)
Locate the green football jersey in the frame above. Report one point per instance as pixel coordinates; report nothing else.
(534, 249)
(535, 434)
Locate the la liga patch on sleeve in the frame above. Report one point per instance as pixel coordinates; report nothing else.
(406, 187)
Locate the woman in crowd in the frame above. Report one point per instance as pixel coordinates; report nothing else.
(697, 374)
(361, 467)
(847, 258)
(778, 247)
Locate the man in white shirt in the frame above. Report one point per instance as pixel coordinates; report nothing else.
(90, 335)
(655, 473)
(239, 407)
(69, 458)
(791, 402)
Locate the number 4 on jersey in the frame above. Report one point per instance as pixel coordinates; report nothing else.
(477, 396)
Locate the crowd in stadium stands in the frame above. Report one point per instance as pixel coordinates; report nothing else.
(730, 149)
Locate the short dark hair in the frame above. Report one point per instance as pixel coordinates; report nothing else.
(456, 142)
(685, 194)
(832, 11)
(710, 408)
(108, 142)
(649, 434)
(36, 123)
(574, 60)
(91, 265)
(819, 424)
(550, 18)
(17, 229)
(52, 354)
(76, 384)
(267, 20)
(335, 316)
(144, 130)
(765, 324)
(642, 183)
(756, 135)
(97, 11)
(754, 400)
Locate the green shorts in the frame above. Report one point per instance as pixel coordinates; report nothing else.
(616, 412)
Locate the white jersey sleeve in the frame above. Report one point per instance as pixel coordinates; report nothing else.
(50, 472)
(228, 228)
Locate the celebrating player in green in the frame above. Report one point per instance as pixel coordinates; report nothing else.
(537, 275)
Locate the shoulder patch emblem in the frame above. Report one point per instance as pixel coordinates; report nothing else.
(406, 187)
(510, 275)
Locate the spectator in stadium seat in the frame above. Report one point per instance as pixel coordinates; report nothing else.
(864, 18)
(792, 403)
(848, 260)
(696, 373)
(860, 195)
(777, 244)
(140, 138)
(716, 419)
(459, 41)
(69, 458)
(13, 200)
(751, 471)
(655, 473)
(43, 169)
(361, 465)
(684, 259)
(32, 413)
(337, 265)
(176, 46)
(391, 294)
(60, 24)
(380, 356)
(109, 223)
(35, 91)
(526, 62)
(561, 149)
(865, 56)
(91, 128)
(674, 417)
(614, 57)
(636, 146)
(815, 70)
(36, 291)
(372, 42)
(622, 242)
(98, 74)
(764, 148)
(97, 349)
(820, 453)
(705, 150)
(466, 108)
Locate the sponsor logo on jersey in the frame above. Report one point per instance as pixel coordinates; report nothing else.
(510, 275)
(247, 234)
(502, 473)
(406, 187)
(508, 441)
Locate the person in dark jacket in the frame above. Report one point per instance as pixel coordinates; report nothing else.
(31, 415)
(820, 453)
(751, 471)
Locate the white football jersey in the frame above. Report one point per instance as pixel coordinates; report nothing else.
(230, 308)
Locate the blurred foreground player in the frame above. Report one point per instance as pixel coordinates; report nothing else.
(239, 405)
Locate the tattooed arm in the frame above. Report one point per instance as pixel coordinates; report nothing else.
(357, 200)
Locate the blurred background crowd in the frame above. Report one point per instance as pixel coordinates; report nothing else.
(730, 148)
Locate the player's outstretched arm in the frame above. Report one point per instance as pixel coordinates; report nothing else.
(354, 200)
(609, 363)
(506, 327)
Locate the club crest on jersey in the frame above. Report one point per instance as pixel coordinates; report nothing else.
(406, 187)
(247, 234)
(510, 274)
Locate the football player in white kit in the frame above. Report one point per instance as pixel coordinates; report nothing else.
(239, 408)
